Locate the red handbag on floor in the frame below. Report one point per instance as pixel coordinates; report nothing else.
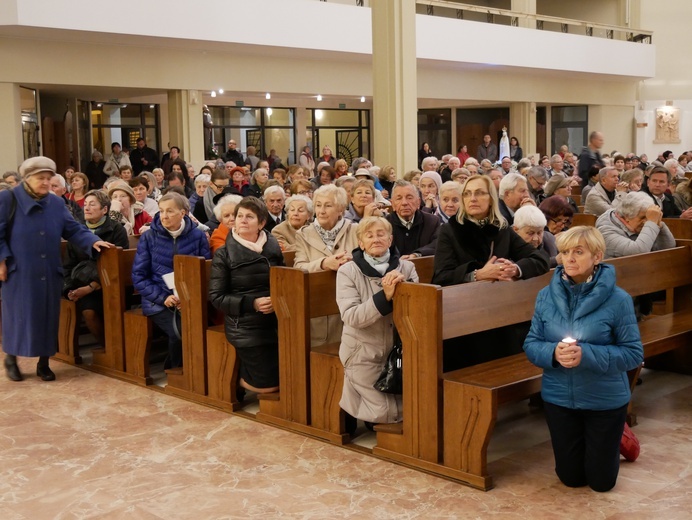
(629, 445)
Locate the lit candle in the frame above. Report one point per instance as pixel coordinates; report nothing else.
(569, 340)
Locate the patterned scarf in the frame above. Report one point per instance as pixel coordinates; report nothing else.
(329, 236)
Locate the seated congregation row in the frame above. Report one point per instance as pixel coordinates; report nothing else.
(475, 244)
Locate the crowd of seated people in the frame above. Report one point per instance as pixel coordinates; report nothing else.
(484, 218)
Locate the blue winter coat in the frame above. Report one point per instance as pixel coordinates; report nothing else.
(31, 294)
(154, 258)
(600, 316)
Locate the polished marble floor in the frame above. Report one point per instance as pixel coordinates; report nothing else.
(86, 446)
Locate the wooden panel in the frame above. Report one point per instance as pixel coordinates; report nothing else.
(222, 368)
(115, 272)
(637, 275)
(191, 281)
(68, 336)
(322, 294)
(418, 318)
(681, 228)
(425, 267)
(290, 296)
(138, 331)
(289, 258)
(133, 241)
(326, 385)
(582, 219)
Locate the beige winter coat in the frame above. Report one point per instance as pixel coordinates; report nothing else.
(310, 251)
(366, 342)
(285, 233)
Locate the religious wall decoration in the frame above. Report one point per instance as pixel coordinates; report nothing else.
(667, 125)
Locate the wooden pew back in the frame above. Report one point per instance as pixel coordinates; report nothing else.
(681, 228)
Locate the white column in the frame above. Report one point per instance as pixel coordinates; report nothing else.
(186, 125)
(395, 93)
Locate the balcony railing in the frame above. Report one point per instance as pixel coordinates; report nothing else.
(540, 22)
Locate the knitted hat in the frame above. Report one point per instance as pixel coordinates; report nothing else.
(435, 177)
(36, 165)
(555, 183)
(121, 186)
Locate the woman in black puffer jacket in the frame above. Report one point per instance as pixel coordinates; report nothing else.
(239, 286)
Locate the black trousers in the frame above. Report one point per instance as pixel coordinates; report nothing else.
(164, 321)
(586, 444)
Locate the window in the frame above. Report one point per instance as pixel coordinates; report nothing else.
(345, 131)
(435, 128)
(264, 128)
(569, 126)
(124, 123)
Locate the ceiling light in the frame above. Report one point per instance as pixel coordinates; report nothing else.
(99, 105)
(220, 91)
(318, 114)
(319, 97)
(152, 106)
(267, 96)
(269, 111)
(362, 99)
(125, 106)
(213, 93)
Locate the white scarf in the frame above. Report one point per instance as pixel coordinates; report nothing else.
(177, 233)
(252, 246)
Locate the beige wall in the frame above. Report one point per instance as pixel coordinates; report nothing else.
(617, 125)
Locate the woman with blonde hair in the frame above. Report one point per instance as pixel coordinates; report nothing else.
(584, 336)
(478, 245)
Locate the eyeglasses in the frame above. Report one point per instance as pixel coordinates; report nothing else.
(221, 187)
(477, 194)
(560, 221)
(304, 192)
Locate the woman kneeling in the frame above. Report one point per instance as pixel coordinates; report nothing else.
(585, 385)
(364, 291)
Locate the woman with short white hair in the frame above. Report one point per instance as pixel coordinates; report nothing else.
(450, 201)
(224, 211)
(299, 212)
(326, 245)
(634, 226)
(529, 224)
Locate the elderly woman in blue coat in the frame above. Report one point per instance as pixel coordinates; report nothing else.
(584, 335)
(171, 233)
(32, 223)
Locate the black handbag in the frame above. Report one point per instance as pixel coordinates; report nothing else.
(389, 381)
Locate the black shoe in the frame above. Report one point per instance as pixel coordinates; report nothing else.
(12, 371)
(45, 373)
(350, 423)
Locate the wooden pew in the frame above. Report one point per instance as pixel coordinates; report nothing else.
(68, 333)
(681, 228)
(310, 380)
(426, 314)
(576, 199)
(115, 270)
(191, 281)
(582, 219)
(576, 190)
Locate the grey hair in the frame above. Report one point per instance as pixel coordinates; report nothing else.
(61, 181)
(343, 180)
(529, 216)
(605, 171)
(428, 160)
(453, 158)
(524, 163)
(330, 190)
(451, 186)
(231, 198)
(357, 162)
(181, 202)
(670, 163)
(300, 198)
(446, 157)
(401, 183)
(204, 177)
(632, 204)
(509, 182)
(538, 173)
(274, 189)
(555, 158)
(471, 160)
(258, 170)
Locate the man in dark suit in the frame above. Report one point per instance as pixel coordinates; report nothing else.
(513, 194)
(656, 185)
(143, 158)
(274, 197)
(415, 232)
